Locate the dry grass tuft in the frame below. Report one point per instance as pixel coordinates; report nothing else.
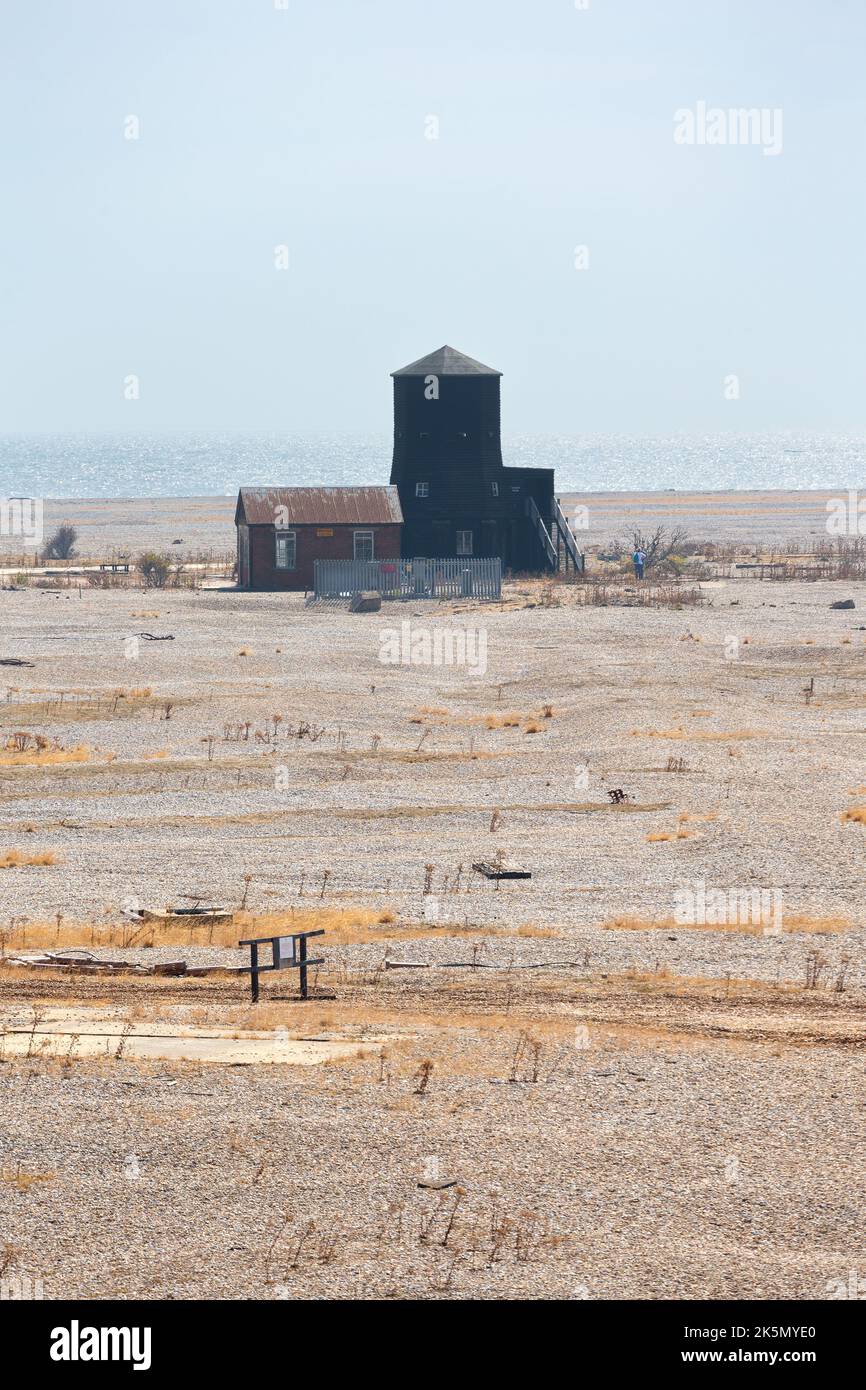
(344, 925)
(793, 923)
(42, 753)
(502, 721)
(16, 859)
(20, 1179)
(802, 922)
(695, 735)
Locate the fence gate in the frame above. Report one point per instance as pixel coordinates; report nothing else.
(409, 579)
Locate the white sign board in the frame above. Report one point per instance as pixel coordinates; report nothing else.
(285, 951)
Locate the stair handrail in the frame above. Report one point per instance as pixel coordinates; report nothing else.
(543, 534)
(568, 535)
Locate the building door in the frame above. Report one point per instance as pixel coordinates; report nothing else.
(489, 538)
(243, 557)
(441, 541)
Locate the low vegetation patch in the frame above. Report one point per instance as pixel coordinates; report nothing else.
(792, 923)
(17, 859)
(22, 1180)
(695, 735)
(35, 750)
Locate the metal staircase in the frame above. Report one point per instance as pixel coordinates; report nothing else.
(563, 551)
(567, 548)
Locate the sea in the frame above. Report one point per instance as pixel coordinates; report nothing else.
(208, 464)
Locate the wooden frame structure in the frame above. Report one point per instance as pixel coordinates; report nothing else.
(287, 953)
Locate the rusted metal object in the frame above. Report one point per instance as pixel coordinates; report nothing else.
(320, 506)
(500, 871)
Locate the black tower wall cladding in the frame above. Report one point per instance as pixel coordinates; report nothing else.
(447, 466)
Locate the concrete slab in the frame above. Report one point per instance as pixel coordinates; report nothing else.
(72, 1034)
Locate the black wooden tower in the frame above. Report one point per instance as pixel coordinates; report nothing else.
(457, 497)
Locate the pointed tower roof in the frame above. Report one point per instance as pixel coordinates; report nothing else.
(446, 361)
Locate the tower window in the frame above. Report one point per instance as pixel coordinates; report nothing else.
(464, 542)
(422, 489)
(494, 488)
(424, 435)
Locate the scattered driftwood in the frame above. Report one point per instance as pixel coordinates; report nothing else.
(368, 601)
(498, 871)
(15, 661)
(482, 965)
(82, 962)
(231, 970)
(197, 913)
(150, 637)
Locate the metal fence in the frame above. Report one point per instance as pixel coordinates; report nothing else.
(408, 579)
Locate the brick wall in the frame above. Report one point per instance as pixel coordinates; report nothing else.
(310, 547)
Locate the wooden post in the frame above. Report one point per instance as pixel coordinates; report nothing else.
(303, 953)
(254, 970)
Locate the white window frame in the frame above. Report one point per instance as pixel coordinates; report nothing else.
(494, 489)
(461, 543)
(422, 489)
(281, 544)
(356, 536)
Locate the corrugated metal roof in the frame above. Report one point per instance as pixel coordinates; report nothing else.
(321, 506)
(446, 361)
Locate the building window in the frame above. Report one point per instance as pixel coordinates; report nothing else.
(363, 545)
(494, 488)
(464, 542)
(286, 550)
(422, 489)
(424, 434)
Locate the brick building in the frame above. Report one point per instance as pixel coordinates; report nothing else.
(281, 531)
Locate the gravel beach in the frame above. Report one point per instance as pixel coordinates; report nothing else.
(603, 1098)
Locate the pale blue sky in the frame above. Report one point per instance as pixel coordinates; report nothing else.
(306, 126)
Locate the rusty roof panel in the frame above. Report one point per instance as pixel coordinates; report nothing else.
(321, 506)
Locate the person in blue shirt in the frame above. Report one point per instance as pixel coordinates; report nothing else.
(639, 560)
